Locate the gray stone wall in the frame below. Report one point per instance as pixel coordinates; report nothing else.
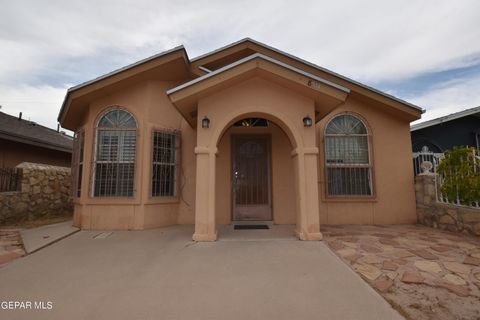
(443, 216)
(45, 192)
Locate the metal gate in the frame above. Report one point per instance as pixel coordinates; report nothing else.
(251, 178)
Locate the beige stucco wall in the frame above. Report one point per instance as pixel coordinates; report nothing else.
(390, 149)
(152, 109)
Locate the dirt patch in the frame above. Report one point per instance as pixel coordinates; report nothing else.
(28, 224)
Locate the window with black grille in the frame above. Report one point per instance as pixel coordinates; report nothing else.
(349, 170)
(115, 155)
(164, 163)
(251, 122)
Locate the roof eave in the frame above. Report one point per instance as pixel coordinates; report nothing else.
(66, 100)
(250, 58)
(34, 142)
(311, 65)
(440, 120)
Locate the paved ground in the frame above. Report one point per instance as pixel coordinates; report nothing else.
(37, 238)
(161, 274)
(10, 245)
(426, 273)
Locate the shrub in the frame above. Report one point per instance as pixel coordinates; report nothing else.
(460, 169)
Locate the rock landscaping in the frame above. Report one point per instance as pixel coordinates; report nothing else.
(45, 193)
(424, 273)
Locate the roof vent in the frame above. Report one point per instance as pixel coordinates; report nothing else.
(33, 123)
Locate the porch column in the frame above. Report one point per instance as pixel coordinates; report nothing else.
(306, 180)
(205, 228)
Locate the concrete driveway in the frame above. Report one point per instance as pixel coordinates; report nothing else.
(162, 274)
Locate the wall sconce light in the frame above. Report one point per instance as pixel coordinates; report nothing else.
(205, 122)
(307, 121)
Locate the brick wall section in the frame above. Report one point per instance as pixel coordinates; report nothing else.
(45, 192)
(441, 215)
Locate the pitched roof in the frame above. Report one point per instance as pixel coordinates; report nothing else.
(24, 131)
(450, 117)
(138, 67)
(258, 43)
(326, 94)
(252, 57)
(113, 73)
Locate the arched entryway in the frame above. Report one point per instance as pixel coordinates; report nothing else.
(303, 157)
(254, 175)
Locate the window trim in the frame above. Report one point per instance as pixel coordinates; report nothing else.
(76, 190)
(113, 199)
(178, 167)
(350, 198)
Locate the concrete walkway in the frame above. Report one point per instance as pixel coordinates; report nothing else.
(37, 238)
(162, 274)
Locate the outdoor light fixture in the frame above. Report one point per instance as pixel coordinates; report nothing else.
(205, 122)
(307, 121)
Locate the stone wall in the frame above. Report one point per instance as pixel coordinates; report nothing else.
(443, 216)
(45, 193)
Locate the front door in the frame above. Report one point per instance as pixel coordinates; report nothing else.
(251, 178)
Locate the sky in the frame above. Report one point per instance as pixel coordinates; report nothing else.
(424, 51)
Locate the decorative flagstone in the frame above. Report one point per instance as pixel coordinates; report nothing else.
(389, 265)
(402, 253)
(454, 279)
(441, 248)
(476, 255)
(428, 266)
(471, 260)
(368, 271)
(383, 285)
(372, 259)
(370, 249)
(424, 254)
(409, 277)
(457, 267)
(461, 291)
(405, 263)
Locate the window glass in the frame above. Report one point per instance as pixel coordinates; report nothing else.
(115, 155)
(349, 171)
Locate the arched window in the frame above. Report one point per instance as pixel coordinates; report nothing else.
(347, 157)
(115, 154)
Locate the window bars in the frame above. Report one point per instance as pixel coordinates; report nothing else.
(115, 155)
(164, 163)
(349, 170)
(77, 162)
(10, 179)
(251, 122)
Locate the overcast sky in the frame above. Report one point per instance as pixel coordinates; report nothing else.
(426, 52)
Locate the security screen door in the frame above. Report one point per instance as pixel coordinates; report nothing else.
(251, 178)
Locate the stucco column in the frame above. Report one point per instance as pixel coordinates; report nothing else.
(308, 220)
(205, 228)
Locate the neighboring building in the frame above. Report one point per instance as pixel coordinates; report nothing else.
(442, 134)
(243, 133)
(27, 141)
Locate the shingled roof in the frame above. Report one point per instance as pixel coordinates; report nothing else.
(24, 131)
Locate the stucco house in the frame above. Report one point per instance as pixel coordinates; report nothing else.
(244, 133)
